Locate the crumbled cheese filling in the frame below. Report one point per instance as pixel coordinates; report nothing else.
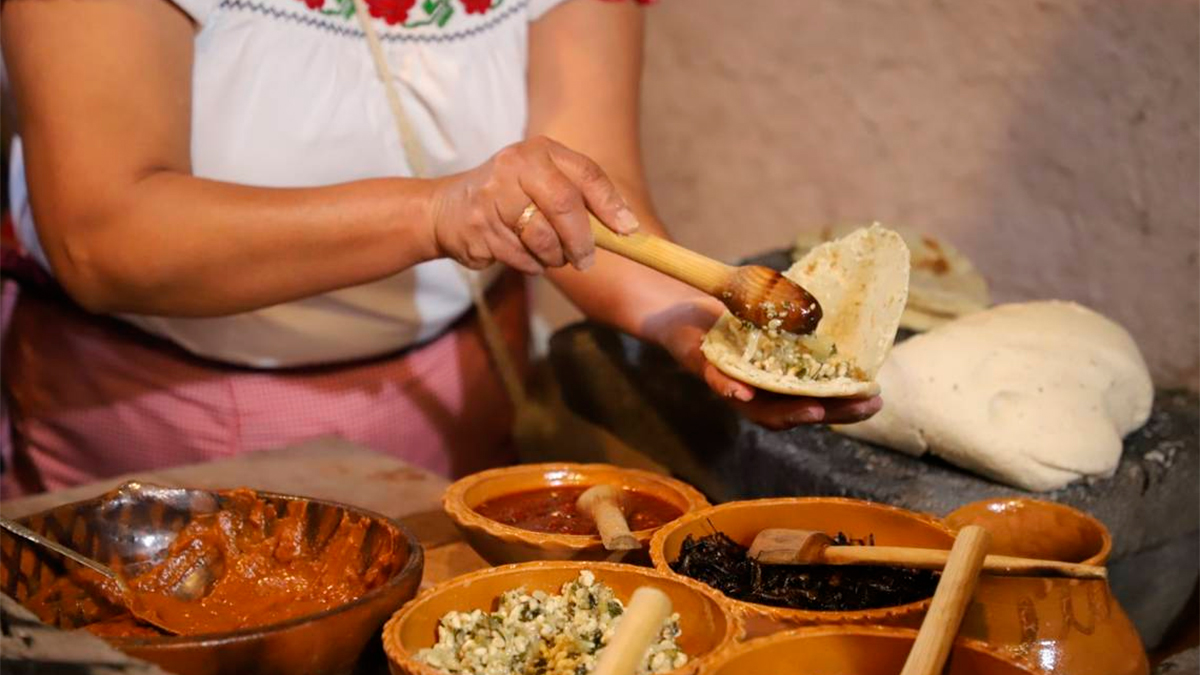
(542, 634)
(782, 353)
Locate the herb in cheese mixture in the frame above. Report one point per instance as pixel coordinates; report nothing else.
(782, 353)
(542, 634)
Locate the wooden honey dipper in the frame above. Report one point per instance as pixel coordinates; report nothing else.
(777, 546)
(752, 292)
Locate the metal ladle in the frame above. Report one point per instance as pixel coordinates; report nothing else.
(128, 597)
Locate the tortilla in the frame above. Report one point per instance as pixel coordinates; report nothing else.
(943, 284)
(861, 281)
(920, 321)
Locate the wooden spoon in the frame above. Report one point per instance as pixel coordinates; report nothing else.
(639, 627)
(602, 503)
(950, 600)
(126, 596)
(753, 293)
(777, 546)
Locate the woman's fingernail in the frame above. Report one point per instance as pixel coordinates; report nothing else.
(627, 223)
(586, 262)
(743, 395)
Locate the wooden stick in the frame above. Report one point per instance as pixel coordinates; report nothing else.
(753, 293)
(603, 504)
(935, 559)
(782, 546)
(638, 628)
(954, 590)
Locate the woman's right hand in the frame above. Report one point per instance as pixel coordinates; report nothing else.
(482, 216)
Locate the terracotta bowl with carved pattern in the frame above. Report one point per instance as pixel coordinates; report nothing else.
(131, 529)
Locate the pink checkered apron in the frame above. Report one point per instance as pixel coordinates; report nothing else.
(91, 397)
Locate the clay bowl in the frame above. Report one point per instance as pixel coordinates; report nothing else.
(708, 625)
(501, 544)
(891, 526)
(1063, 626)
(851, 650)
(132, 527)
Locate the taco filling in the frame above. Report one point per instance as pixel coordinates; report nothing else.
(779, 352)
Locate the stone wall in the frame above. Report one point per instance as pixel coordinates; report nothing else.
(1055, 141)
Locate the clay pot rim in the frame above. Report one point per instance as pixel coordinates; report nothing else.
(787, 614)
(455, 505)
(1106, 542)
(852, 630)
(399, 655)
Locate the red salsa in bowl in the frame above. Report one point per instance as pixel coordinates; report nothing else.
(553, 510)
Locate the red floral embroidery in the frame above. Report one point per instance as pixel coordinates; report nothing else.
(477, 6)
(315, 4)
(391, 11)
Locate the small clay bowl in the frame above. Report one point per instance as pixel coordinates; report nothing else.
(890, 526)
(851, 650)
(708, 624)
(501, 544)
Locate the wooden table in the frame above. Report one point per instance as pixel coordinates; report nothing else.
(330, 469)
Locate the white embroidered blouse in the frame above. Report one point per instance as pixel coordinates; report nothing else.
(285, 95)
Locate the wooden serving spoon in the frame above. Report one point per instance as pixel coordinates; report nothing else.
(753, 293)
(639, 626)
(602, 503)
(950, 600)
(777, 546)
(127, 597)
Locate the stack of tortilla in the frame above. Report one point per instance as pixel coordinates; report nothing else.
(943, 284)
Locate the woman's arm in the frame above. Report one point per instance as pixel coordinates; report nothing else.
(584, 74)
(104, 104)
(104, 95)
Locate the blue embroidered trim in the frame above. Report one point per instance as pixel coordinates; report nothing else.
(315, 20)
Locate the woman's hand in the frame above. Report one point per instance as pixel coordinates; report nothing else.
(482, 216)
(681, 330)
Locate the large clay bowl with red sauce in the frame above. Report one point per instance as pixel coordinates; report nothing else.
(1059, 626)
(500, 543)
(707, 625)
(852, 650)
(133, 528)
(741, 521)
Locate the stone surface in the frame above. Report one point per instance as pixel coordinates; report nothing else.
(1183, 663)
(637, 391)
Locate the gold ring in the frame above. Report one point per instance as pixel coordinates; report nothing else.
(529, 212)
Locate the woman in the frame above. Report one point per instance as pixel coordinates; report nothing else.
(225, 177)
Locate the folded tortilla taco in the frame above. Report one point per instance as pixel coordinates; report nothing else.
(861, 281)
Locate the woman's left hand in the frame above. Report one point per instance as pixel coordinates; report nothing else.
(681, 330)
